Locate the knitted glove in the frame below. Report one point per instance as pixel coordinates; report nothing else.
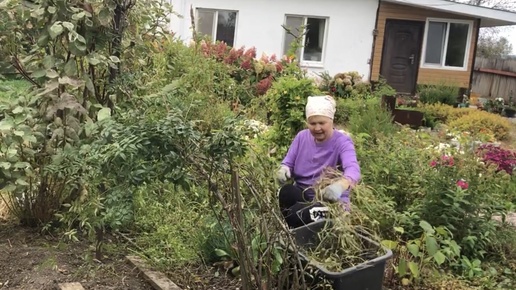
(333, 192)
(283, 174)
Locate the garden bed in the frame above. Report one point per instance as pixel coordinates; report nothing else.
(29, 260)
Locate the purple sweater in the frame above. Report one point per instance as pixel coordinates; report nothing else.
(307, 159)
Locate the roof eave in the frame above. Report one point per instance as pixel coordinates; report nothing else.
(489, 22)
(489, 17)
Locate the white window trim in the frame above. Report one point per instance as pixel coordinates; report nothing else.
(443, 60)
(307, 63)
(215, 20)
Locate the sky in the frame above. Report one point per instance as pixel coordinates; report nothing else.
(510, 34)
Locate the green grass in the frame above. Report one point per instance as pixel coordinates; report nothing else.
(11, 88)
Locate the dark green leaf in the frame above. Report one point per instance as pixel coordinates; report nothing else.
(43, 40)
(78, 16)
(5, 165)
(105, 17)
(439, 257)
(68, 25)
(51, 9)
(426, 227)
(70, 68)
(402, 267)
(104, 113)
(389, 244)
(221, 253)
(413, 249)
(431, 245)
(55, 30)
(414, 269)
(49, 61)
(39, 73)
(52, 74)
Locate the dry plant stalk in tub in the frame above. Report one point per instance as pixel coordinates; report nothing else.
(342, 244)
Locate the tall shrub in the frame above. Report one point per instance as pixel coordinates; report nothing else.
(441, 93)
(287, 100)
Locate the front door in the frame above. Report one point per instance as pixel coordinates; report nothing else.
(401, 53)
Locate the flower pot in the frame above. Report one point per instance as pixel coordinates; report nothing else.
(365, 276)
(510, 112)
(408, 117)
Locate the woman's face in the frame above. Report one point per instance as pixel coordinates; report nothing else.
(321, 127)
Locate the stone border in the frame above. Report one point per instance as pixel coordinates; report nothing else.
(158, 280)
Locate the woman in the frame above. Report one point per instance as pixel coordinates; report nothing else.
(318, 147)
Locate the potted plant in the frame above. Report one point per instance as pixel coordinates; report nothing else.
(510, 112)
(346, 259)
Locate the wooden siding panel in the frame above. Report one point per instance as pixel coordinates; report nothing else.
(425, 76)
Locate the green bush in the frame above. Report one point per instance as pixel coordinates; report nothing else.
(395, 165)
(13, 88)
(173, 223)
(287, 100)
(432, 94)
(368, 116)
(480, 123)
(345, 107)
(462, 194)
(382, 88)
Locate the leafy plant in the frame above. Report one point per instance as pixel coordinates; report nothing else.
(420, 257)
(432, 94)
(502, 158)
(395, 165)
(287, 100)
(29, 143)
(476, 122)
(173, 223)
(371, 118)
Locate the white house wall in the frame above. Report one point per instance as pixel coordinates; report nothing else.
(349, 36)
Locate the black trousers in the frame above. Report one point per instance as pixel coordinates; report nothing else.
(298, 208)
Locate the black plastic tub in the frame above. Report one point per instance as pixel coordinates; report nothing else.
(366, 276)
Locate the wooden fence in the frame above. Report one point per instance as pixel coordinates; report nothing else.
(494, 78)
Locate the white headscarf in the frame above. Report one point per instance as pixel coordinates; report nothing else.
(320, 106)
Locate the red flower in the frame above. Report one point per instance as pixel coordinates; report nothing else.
(279, 67)
(246, 64)
(232, 57)
(264, 85)
(250, 53)
(433, 163)
(462, 184)
(447, 160)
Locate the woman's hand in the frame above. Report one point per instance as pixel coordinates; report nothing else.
(333, 192)
(283, 174)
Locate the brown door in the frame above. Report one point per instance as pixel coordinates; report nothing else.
(401, 53)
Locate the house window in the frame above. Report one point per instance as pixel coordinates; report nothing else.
(447, 43)
(219, 25)
(314, 37)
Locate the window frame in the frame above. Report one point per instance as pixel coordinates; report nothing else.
(442, 65)
(213, 35)
(302, 62)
